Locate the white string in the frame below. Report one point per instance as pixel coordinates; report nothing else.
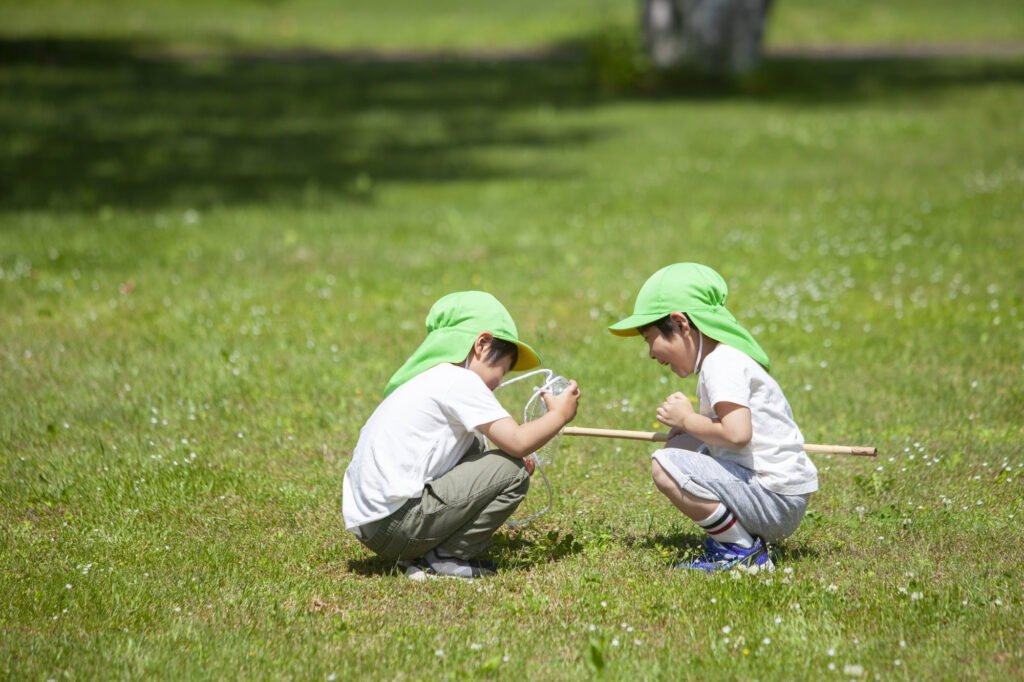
(549, 381)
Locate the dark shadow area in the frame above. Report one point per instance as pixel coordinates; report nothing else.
(510, 549)
(688, 545)
(829, 80)
(90, 123)
(93, 123)
(683, 543)
(373, 566)
(524, 548)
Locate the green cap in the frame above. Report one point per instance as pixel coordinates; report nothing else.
(698, 291)
(453, 324)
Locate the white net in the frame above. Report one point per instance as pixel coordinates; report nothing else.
(535, 408)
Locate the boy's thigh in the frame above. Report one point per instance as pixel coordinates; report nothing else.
(448, 503)
(479, 476)
(762, 512)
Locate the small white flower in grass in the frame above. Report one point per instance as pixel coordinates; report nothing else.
(476, 647)
(592, 627)
(766, 641)
(615, 641)
(726, 629)
(505, 659)
(914, 596)
(831, 666)
(778, 620)
(177, 609)
(832, 588)
(853, 669)
(831, 652)
(439, 653)
(68, 586)
(903, 642)
(897, 662)
(637, 642)
(604, 604)
(999, 602)
(330, 678)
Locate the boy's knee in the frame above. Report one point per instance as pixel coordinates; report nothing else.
(662, 479)
(513, 469)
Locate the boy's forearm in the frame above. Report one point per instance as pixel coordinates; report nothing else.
(536, 433)
(711, 431)
(524, 439)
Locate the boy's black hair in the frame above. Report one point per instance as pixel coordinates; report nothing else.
(499, 348)
(665, 325)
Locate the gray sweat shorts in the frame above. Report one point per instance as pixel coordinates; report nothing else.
(769, 515)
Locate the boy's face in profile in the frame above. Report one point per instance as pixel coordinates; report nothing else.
(677, 351)
(492, 374)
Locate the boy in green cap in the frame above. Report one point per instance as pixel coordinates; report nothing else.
(737, 468)
(420, 488)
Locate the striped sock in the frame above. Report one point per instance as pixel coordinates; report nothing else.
(723, 527)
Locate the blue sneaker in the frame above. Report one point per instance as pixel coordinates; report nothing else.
(721, 556)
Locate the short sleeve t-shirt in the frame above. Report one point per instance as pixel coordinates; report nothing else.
(776, 449)
(418, 433)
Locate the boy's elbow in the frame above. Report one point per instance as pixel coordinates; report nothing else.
(517, 450)
(741, 439)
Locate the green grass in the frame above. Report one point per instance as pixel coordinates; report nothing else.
(461, 25)
(229, 258)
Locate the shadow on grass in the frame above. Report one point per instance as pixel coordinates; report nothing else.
(373, 566)
(509, 549)
(524, 548)
(687, 545)
(92, 123)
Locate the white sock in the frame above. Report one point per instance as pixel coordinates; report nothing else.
(723, 527)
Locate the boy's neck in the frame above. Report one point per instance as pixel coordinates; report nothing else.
(709, 345)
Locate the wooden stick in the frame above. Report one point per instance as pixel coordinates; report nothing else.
(659, 437)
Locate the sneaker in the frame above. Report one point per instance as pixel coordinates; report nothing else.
(721, 556)
(415, 571)
(434, 564)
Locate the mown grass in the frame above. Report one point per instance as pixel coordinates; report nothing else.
(208, 269)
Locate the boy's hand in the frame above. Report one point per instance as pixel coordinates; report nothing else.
(674, 411)
(565, 403)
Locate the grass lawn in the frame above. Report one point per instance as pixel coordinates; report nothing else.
(210, 267)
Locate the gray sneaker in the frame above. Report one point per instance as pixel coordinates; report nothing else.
(434, 564)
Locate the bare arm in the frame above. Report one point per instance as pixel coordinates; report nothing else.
(731, 430)
(520, 440)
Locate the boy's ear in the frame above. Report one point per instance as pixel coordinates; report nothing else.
(680, 321)
(483, 342)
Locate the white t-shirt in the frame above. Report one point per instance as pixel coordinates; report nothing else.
(776, 449)
(418, 433)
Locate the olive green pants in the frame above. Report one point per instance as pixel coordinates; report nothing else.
(457, 513)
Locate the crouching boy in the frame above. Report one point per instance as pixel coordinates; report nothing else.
(422, 489)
